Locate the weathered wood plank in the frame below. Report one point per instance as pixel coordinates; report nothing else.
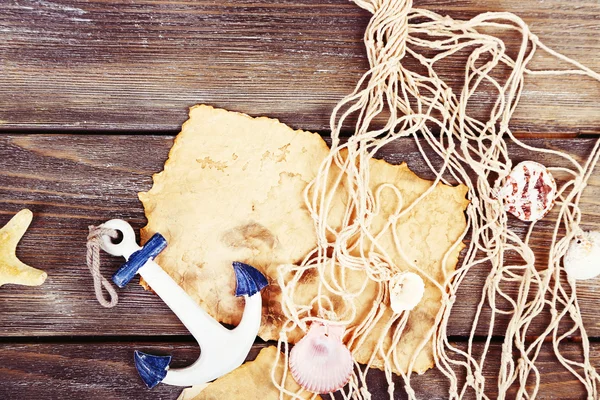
(72, 181)
(106, 371)
(138, 64)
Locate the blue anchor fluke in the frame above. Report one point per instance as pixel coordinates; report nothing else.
(249, 280)
(152, 369)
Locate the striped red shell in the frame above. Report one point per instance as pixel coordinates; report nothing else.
(529, 191)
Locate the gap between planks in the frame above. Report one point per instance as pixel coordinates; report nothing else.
(322, 133)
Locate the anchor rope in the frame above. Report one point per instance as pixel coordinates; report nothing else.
(94, 240)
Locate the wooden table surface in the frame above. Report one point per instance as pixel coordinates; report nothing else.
(92, 93)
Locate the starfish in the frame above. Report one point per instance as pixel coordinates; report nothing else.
(12, 270)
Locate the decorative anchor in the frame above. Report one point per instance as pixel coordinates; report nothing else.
(222, 349)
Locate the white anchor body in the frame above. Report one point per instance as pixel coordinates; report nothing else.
(222, 349)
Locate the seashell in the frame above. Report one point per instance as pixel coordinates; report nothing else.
(582, 259)
(529, 191)
(320, 362)
(406, 291)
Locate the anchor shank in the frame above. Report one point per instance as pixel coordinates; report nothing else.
(221, 349)
(201, 325)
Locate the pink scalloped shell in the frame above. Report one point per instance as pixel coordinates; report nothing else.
(320, 362)
(529, 191)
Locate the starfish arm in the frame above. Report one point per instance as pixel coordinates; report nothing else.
(13, 231)
(12, 270)
(16, 272)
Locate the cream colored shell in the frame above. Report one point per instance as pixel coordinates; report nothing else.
(582, 260)
(406, 291)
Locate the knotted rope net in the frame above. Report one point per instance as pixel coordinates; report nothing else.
(394, 100)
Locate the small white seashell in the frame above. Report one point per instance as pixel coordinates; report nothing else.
(582, 259)
(320, 362)
(529, 191)
(406, 291)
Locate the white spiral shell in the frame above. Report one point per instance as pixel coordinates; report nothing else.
(582, 259)
(406, 291)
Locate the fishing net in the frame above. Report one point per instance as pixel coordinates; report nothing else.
(397, 99)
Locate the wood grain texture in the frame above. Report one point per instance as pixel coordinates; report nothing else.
(139, 64)
(72, 181)
(105, 371)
